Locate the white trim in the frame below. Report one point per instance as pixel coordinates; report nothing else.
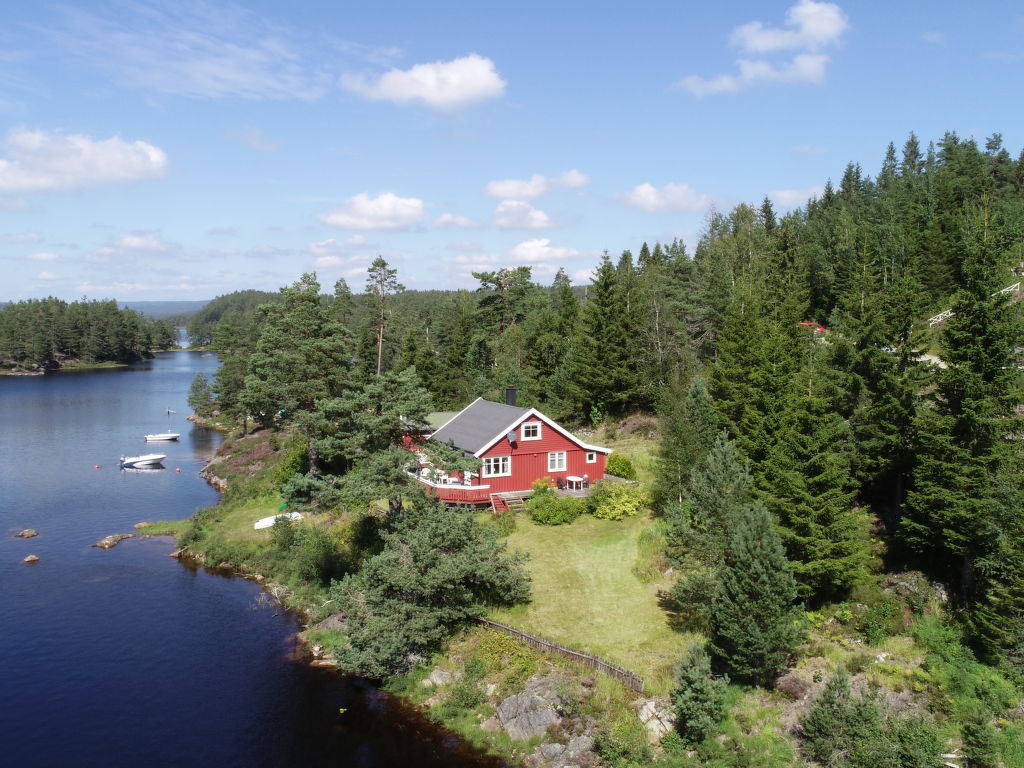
(534, 412)
(453, 418)
(591, 457)
(446, 485)
(483, 469)
(555, 455)
(525, 424)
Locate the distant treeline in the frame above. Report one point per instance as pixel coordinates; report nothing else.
(51, 332)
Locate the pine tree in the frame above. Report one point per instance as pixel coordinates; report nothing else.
(381, 282)
(755, 626)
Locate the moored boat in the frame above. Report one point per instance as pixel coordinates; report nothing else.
(146, 460)
(162, 436)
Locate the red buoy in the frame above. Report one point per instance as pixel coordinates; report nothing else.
(97, 466)
(176, 469)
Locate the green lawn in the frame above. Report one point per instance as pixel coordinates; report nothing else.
(585, 595)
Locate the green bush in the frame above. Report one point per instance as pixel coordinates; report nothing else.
(503, 524)
(624, 742)
(841, 729)
(614, 501)
(620, 466)
(546, 508)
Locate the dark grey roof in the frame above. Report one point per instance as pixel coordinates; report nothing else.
(478, 424)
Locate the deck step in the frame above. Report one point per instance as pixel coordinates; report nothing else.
(512, 501)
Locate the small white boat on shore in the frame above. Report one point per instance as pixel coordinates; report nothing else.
(267, 522)
(162, 436)
(146, 460)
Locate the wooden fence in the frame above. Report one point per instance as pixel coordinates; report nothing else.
(632, 679)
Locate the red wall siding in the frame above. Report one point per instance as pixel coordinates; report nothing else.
(530, 459)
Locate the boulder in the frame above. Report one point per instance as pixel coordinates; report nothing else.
(525, 715)
(491, 725)
(439, 677)
(657, 716)
(334, 621)
(31, 559)
(28, 533)
(108, 542)
(141, 525)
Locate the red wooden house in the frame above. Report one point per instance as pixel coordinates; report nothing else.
(516, 446)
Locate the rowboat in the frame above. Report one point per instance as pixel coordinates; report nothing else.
(162, 436)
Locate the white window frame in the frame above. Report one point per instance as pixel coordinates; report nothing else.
(591, 457)
(530, 424)
(496, 466)
(553, 461)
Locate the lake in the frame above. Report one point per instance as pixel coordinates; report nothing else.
(127, 657)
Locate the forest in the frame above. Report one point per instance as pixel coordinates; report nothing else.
(821, 429)
(52, 333)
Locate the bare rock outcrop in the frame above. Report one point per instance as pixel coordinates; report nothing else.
(109, 542)
(28, 533)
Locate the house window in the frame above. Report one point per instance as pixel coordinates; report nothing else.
(497, 466)
(531, 431)
(591, 457)
(556, 461)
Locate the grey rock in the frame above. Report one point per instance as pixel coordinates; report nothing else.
(109, 542)
(31, 559)
(491, 725)
(657, 716)
(334, 621)
(579, 744)
(525, 715)
(439, 677)
(28, 533)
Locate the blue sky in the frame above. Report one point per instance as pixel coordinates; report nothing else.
(182, 150)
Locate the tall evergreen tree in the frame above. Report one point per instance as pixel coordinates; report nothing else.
(755, 625)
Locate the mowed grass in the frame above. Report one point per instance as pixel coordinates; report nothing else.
(586, 596)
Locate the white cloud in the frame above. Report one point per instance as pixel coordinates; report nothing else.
(793, 198)
(17, 238)
(334, 253)
(386, 211)
(478, 259)
(453, 221)
(144, 241)
(540, 251)
(571, 179)
(933, 36)
(535, 186)
(43, 256)
(804, 68)
(40, 162)
(200, 50)
(515, 214)
(442, 85)
(810, 26)
(46, 276)
(669, 197)
(518, 189)
(256, 140)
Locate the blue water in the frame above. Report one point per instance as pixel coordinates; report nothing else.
(126, 657)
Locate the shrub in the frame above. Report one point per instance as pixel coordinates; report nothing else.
(698, 699)
(841, 729)
(547, 508)
(624, 742)
(620, 466)
(503, 524)
(614, 501)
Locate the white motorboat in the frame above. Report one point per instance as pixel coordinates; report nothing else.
(146, 460)
(162, 436)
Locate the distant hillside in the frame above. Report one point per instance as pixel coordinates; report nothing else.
(158, 309)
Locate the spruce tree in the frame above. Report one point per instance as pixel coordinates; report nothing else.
(755, 625)
(689, 426)
(698, 698)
